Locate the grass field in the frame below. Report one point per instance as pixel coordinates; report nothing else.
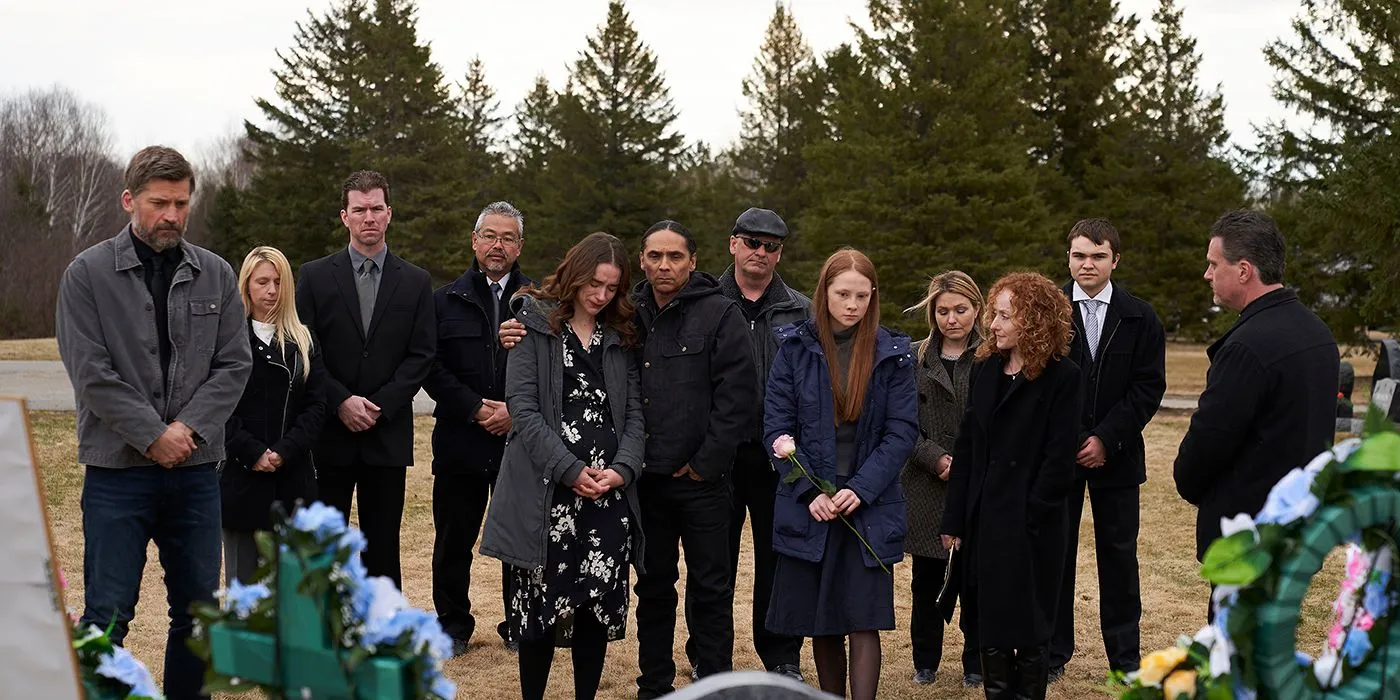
(1174, 598)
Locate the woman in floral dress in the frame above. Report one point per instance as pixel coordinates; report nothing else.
(573, 393)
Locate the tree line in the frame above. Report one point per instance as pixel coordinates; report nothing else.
(945, 134)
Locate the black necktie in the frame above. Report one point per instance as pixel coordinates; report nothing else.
(495, 305)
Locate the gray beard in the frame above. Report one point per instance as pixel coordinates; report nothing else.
(157, 242)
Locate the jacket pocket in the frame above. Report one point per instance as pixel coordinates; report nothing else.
(204, 322)
(685, 358)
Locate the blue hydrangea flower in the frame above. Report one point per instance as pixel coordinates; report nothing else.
(242, 599)
(1244, 692)
(1302, 659)
(320, 519)
(120, 665)
(1377, 599)
(1356, 647)
(1291, 498)
(354, 540)
(441, 686)
(388, 631)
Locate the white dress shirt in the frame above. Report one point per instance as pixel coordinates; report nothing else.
(1103, 296)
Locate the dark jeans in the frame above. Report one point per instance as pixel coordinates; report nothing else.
(755, 486)
(1115, 513)
(459, 504)
(123, 511)
(926, 623)
(381, 510)
(694, 514)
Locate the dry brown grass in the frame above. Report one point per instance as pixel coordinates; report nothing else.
(1174, 597)
(29, 349)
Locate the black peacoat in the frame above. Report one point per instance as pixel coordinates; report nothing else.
(1269, 405)
(1013, 462)
(281, 411)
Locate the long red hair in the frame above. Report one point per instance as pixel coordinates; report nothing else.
(849, 399)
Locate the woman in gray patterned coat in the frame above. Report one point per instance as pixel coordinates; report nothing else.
(952, 307)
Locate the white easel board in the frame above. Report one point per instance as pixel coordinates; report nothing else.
(36, 649)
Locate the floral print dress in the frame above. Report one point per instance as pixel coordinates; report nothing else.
(590, 542)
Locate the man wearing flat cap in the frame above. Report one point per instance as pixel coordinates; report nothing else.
(753, 283)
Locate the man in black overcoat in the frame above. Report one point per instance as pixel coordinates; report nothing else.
(1121, 347)
(467, 380)
(373, 315)
(1270, 400)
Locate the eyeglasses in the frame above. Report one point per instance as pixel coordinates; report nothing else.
(755, 244)
(507, 240)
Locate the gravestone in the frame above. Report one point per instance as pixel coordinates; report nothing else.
(748, 685)
(1383, 397)
(1388, 364)
(36, 647)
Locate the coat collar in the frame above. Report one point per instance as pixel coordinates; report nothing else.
(888, 344)
(933, 361)
(345, 279)
(777, 297)
(534, 315)
(124, 252)
(1278, 297)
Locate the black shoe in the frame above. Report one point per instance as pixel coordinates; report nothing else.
(972, 680)
(791, 671)
(924, 676)
(459, 647)
(694, 674)
(1056, 673)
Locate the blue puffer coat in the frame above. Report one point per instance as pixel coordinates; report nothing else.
(798, 402)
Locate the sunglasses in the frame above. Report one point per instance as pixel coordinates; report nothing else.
(755, 244)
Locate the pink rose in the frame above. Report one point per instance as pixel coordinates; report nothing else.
(1365, 622)
(784, 447)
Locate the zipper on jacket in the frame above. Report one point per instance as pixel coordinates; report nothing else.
(494, 334)
(286, 400)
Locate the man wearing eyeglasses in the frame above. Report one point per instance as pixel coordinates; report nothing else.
(467, 380)
(753, 283)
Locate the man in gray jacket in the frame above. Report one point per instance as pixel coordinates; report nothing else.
(753, 283)
(151, 330)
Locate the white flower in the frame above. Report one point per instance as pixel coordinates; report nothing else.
(385, 600)
(1342, 450)
(1239, 523)
(1290, 499)
(1328, 669)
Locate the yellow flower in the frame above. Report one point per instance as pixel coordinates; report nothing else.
(1158, 664)
(1179, 683)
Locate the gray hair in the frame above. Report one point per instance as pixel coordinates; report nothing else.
(501, 209)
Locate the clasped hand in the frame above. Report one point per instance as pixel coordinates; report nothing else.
(493, 417)
(593, 483)
(174, 446)
(358, 413)
(824, 507)
(269, 462)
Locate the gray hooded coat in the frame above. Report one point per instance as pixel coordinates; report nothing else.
(536, 461)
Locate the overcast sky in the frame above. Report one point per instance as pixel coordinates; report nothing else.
(184, 73)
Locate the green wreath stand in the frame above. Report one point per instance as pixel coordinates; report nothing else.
(1280, 676)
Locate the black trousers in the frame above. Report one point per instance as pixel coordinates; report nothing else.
(1116, 517)
(380, 499)
(755, 486)
(693, 514)
(459, 505)
(926, 624)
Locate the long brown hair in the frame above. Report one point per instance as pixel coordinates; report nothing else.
(955, 281)
(1043, 317)
(849, 398)
(576, 270)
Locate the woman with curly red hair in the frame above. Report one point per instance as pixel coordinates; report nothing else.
(1006, 500)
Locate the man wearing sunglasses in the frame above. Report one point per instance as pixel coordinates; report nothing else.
(753, 283)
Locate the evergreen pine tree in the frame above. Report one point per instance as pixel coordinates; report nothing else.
(615, 123)
(780, 119)
(927, 169)
(1329, 180)
(1164, 176)
(357, 91)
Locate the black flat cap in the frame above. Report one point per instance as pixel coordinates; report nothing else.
(761, 222)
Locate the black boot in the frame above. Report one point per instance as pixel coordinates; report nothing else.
(999, 674)
(1032, 673)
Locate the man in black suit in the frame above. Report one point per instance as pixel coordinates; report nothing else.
(1121, 346)
(1271, 391)
(468, 382)
(373, 315)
